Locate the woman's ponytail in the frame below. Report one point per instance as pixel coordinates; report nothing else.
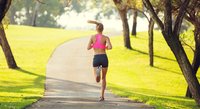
(99, 26)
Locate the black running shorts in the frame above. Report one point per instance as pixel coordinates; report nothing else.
(100, 60)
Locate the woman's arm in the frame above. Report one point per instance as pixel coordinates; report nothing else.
(108, 43)
(94, 22)
(89, 44)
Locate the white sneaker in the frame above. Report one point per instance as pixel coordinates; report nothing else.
(98, 74)
(98, 71)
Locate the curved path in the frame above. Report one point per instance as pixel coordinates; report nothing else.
(70, 83)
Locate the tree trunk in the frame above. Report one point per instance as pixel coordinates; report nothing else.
(28, 20)
(12, 15)
(4, 6)
(150, 32)
(196, 58)
(123, 15)
(185, 66)
(28, 14)
(35, 13)
(6, 49)
(134, 32)
(172, 39)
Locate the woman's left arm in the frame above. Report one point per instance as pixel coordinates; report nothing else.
(89, 44)
(109, 45)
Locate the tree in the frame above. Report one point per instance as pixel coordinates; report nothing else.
(134, 32)
(107, 8)
(150, 32)
(48, 11)
(35, 13)
(123, 6)
(4, 6)
(171, 35)
(17, 7)
(136, 5)
(122, 9)
(193, 16)
(150, 35)
(11, 12)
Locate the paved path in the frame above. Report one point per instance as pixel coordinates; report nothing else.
(70, 83)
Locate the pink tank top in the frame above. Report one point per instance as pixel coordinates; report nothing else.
(98, 43)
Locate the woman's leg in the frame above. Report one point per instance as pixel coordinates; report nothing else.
(97, 78)
(96, 63)
(103, 85)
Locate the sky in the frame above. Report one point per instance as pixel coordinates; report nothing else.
(73, 20)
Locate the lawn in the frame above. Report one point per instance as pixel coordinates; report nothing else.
(130, 75)
(32, 48)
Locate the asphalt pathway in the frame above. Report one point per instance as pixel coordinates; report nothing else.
(70, 82)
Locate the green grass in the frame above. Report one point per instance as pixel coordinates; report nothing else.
(130, 75)
(32, 48)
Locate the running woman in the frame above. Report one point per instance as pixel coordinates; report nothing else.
(100, 43)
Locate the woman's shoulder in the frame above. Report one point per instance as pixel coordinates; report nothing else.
(105, 36)
(93, 36)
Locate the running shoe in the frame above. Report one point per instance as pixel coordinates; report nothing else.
(101, 99)
(98, 73)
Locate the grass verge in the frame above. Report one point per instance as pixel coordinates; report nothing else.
(130, 75)
(31, 48)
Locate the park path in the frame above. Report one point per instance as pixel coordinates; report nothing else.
(70, 83)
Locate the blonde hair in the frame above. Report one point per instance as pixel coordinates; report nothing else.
(99, 26)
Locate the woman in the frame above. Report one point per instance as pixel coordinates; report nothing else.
(100, 43)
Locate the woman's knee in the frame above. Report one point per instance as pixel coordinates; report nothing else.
(103, 78)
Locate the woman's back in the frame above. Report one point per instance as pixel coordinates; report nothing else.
(99, 43)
